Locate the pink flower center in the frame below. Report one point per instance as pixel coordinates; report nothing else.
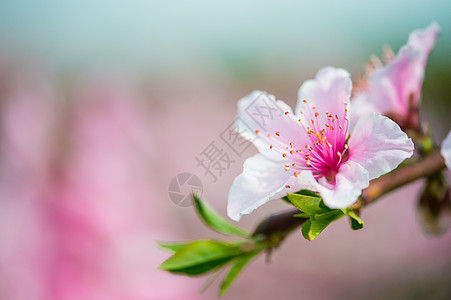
(321, 147)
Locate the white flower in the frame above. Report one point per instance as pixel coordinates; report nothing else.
(311, 149)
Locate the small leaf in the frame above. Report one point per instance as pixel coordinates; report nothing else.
(301, 215)
(237, 266)
(356, 222)
(306, 228)
(201, 256)
(320, 222)
(215, 221)
(308, 202)
(172, 246)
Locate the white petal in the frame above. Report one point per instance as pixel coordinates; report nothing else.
(261, 181)
(424, 39)
(351, 179)
(361, 106)
(263, 113)
(378, 144)
(446, 150)
(326, 92)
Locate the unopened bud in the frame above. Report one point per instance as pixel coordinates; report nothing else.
(434, 206)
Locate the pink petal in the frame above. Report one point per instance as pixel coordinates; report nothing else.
(400, 81)
(261, 181)
(351, 179)
(349, 183)
(378, 144)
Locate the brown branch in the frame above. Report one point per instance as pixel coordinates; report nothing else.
(281, 224)
(425, 167)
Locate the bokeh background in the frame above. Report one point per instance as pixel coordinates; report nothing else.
(102, 103)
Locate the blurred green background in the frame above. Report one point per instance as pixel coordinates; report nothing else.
(272, 45)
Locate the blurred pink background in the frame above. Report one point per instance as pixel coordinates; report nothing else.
(88, 148)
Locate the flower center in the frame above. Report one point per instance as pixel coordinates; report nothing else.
(323, 148)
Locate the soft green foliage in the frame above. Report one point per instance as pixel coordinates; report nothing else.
(237, 266)
(317, 223)
(319, 215)
(204, 256)
(173, 246)
(201, 256)
(356, 222)
(308, 202)
(216, 221)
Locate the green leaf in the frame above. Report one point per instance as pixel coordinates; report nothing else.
(318, 223)
(356, 222)
(215, 221)
(306, 228)
(172, 246)
(302, 216)
(308, 202)
(237, 266)
(201, 256)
